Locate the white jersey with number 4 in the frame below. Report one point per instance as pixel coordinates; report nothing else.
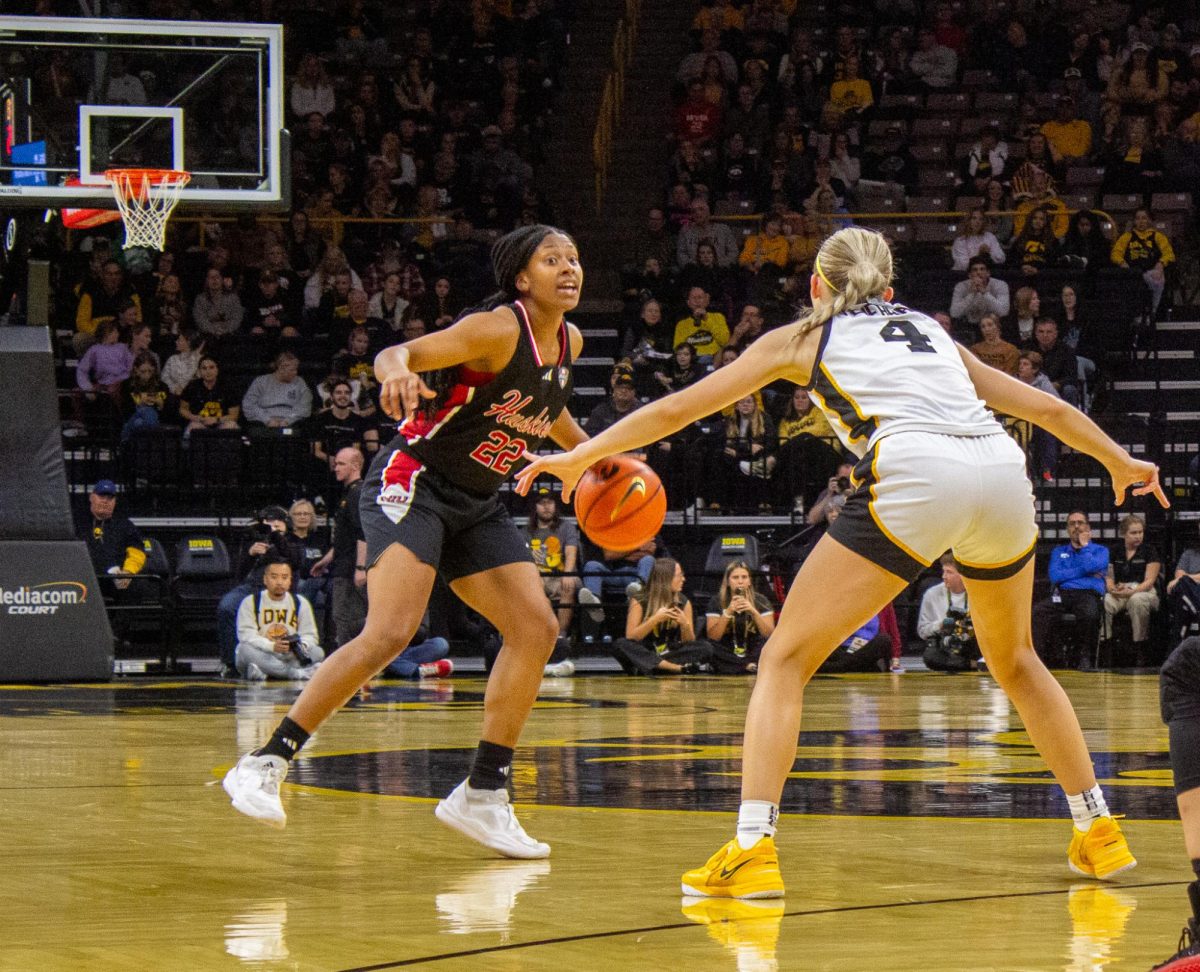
(882, 368)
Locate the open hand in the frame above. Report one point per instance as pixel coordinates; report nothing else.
(565, 465)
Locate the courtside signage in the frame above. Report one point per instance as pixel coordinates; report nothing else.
(43, 599)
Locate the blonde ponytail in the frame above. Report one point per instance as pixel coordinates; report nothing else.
(856, 265)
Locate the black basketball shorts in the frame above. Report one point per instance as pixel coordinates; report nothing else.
(456, 532)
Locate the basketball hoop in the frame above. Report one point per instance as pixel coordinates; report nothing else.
(146, 198)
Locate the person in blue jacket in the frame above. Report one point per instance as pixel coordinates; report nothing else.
(1077, 571)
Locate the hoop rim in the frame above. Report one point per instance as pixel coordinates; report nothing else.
(137, 176)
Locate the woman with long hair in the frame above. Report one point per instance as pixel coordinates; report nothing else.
(739, 622)
(1026, 309)
(146, 402)
(429, 504)
(936, 472)
(807, 454)
(660, 632)
(745, 458)
(1036, 246)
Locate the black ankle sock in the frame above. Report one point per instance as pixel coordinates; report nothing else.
(1196, 866)
(490, 770)
(286, 741)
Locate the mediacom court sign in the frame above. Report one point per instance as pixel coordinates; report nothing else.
(43, 599)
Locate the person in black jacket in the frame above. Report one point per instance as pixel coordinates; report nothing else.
(114, 543)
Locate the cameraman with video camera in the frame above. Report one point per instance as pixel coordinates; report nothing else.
(944, 623)
(266, 537)
(277, 633)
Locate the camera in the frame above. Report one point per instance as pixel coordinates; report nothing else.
(296, 646)
(843, 483)
(260, 532)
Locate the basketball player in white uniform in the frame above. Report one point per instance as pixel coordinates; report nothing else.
(937, 473)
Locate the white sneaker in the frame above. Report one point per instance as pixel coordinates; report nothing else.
(744, 467)
(253, 786)
(487, 818)
(306, 672)
(255, 674)
(594, 610)
(634, 588)
(562, 669)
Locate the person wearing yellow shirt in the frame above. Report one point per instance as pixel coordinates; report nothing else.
(1148, 251)
(706, 331)
(769, 246)
(807, 454)
(850, 93)
(1069, 135)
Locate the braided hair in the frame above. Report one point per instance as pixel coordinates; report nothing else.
(856, 265)
(510, 255)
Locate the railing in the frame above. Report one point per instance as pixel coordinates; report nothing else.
(612, 98)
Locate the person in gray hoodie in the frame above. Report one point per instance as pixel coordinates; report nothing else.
(279, 399)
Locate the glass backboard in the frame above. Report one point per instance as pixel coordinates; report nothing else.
(79, 96)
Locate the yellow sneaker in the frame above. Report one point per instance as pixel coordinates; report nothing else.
(1100, 853)
(735, 873)
(748, 929)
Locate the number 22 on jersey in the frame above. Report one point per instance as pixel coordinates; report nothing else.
(499, 452)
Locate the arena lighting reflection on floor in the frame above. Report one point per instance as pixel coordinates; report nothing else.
(907, 772)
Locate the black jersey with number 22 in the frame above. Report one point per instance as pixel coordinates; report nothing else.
(485, 423)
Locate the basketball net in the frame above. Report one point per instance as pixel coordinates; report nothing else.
(146, 198)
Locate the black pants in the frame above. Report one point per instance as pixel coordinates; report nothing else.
(639, 658)
(863, 659)
(1049, 631)
(941, 656)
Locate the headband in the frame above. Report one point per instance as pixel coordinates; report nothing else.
(821, 274)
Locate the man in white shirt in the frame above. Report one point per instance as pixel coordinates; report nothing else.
(277, 633)
(936, 66)
(944, 623)
(979, 294)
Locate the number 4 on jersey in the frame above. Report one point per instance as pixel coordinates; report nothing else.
(908, 333)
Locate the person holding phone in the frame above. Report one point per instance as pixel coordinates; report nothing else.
(740, 622)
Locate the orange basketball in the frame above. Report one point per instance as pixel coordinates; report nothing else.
(620, 503)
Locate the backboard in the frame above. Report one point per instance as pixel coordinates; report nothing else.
(79, 96)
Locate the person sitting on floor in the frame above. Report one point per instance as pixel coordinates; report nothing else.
(944, 623)
(740, 622)
(276, 630)
(660, 635)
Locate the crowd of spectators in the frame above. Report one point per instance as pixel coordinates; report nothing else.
(435, 114)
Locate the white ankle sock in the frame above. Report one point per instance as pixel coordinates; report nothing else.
(1086, 807)
(756, 819)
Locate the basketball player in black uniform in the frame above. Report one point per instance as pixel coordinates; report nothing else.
(429, 503)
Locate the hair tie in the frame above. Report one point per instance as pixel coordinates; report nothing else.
(821, 274)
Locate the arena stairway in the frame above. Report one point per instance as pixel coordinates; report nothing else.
(1152, 409)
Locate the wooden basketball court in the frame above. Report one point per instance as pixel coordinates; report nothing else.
(920, 831)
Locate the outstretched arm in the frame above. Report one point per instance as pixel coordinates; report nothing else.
(772, 356)
(482, 342)
(1067, 424)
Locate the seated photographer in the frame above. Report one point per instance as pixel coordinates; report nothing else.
(1132, 582)
(740, 622)
(1077, 570)
(944, 623)
(869, 649)
(425, 656)
(839, 485)
(660, 634)
(276, 630)
(268, 537)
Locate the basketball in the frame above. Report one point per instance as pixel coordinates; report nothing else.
(620, 503)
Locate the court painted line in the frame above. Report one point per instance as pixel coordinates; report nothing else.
(677, 926)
